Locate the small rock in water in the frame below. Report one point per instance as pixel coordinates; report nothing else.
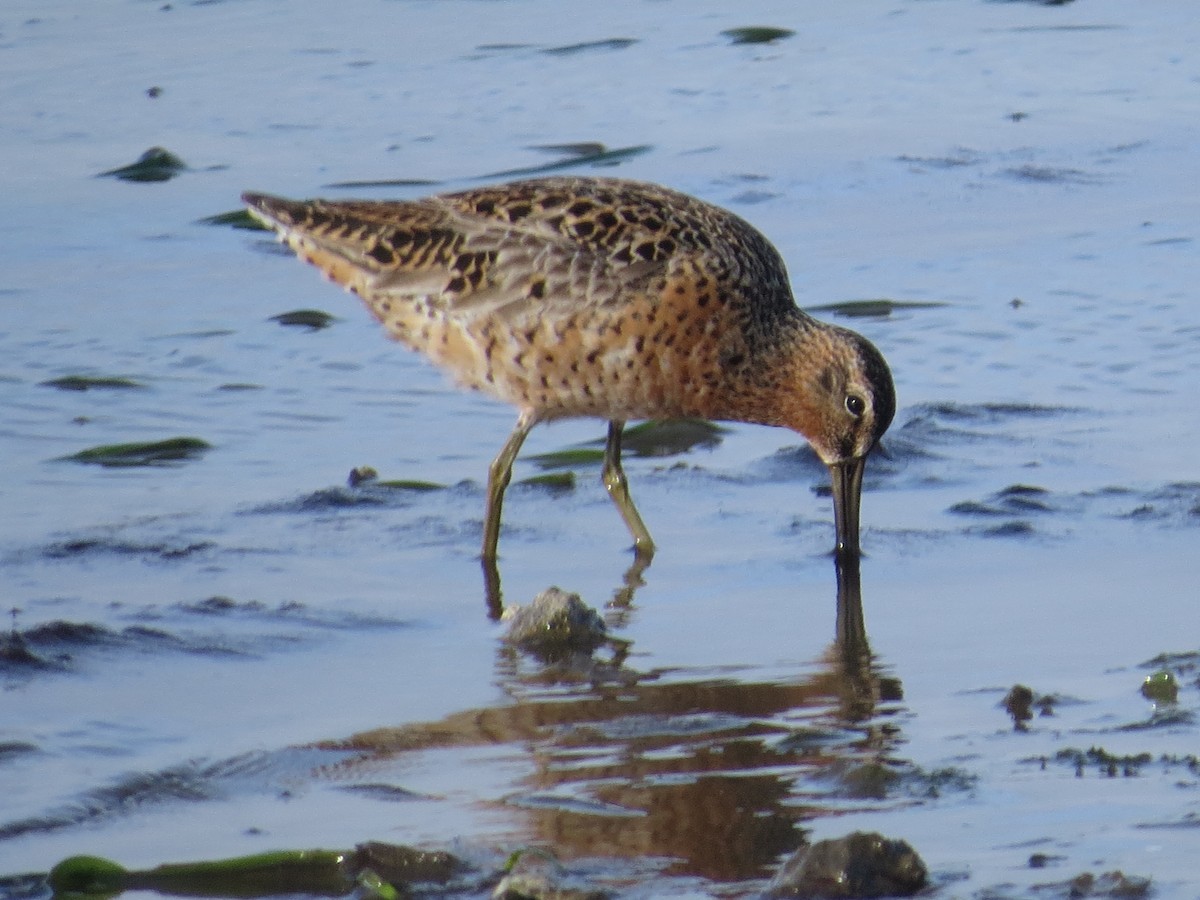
(555, 622)
(858, 865)
(534, 875)
(361, 475)
(407, 866)
(1018, 703)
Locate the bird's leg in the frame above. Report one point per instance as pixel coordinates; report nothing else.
(499, 475)
(618, 489)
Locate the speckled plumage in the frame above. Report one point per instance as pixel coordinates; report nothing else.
(599, 297)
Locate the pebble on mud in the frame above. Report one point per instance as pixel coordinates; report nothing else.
(555, 622)
(861, 864)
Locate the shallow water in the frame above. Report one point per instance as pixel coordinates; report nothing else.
(237, 652)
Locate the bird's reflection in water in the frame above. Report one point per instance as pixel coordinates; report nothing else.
(718, 774)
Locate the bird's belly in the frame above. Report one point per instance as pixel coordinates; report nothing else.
(613, 365)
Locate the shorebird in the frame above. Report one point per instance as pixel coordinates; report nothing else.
(603, 297)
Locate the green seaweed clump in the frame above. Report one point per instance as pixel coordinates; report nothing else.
(87, 875)
(368, 477)
(237, 218)
(305, 318)
(757, 34)
(379, 871)
(156, 164)
(263, 874)
(568, 458)
(409, 484)
(142, 453)
(1161, 687)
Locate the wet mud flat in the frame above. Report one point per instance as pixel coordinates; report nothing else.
(221, 643)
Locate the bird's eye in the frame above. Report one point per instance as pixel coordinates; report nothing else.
(855, 405)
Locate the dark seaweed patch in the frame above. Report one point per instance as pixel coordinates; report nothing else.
(381, 183)
(958, 160)
(1181, 663)
(671, 437)
(15, 749)
(287, 613)
(186, 782)
(388, 792)
(220, 606)
(1016, 499)
(578, 149)
(601, 157)
(89, 382)
(1010, 529)
(326, 499)
(1189, 820)
(878, 308)
(312, 319)
(588, 46)
(17, 656)
(1051, 175)
(975, 508)
(162, 550)
(1164, 716)
(54, 646)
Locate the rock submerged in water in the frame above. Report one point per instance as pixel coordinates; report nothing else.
(860, 864)
(555, 622)
(1110, 884)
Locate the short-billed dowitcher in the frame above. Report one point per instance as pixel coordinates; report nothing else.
(608, 298)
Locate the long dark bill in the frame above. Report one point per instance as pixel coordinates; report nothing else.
(847, 494)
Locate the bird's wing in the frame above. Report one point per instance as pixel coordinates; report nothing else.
(516, 248)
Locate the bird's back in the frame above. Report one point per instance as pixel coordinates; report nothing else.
(565, 296)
